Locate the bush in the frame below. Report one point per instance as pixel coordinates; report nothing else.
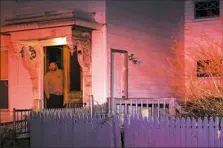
(7, 137)
(205, 107)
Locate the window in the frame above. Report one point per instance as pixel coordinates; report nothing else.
(3, 79)
(207, 9)
(207, 68)
(3, 65)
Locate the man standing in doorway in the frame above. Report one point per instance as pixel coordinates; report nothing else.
(53, 86)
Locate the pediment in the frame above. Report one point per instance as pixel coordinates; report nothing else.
(50, 19)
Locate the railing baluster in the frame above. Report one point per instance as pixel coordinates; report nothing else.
(120, 107)
(126, 105)
(141, 106)
(147, 105)
(158, 108)
(131, 107)
(152, 110)
(164, 106)
(136, 102)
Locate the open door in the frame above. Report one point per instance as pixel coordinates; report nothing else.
(73, 77)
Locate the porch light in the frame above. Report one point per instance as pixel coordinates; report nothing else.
(60, 41)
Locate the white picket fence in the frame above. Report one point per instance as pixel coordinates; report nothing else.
(63, 129)
(166, 132)
(59, 128)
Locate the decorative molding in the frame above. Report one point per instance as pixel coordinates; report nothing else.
(82, 45)
(16, 49)
(70, 44)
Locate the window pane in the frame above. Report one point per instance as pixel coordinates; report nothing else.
(207, 9)
(3, 65)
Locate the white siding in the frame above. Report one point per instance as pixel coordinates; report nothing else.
(145, 28)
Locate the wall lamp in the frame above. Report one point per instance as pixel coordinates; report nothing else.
(132, 58)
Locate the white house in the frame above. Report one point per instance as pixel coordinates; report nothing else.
(108, 49)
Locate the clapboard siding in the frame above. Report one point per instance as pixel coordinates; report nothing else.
(140, 28)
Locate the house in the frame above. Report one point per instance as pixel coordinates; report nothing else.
(107, 49)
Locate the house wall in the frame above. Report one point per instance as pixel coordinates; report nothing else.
(196, 30)
(145, 28)
(20, 88)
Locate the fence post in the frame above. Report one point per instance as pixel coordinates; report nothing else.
(14, 127)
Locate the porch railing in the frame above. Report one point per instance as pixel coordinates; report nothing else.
(146, 106)
(21, 122)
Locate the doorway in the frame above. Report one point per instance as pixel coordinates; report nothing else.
(52, 54)
(119, 74)
(72, 70)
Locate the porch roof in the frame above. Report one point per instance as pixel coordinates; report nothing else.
(50, 19)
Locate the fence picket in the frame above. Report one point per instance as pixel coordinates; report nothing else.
(127, 133)
(200, 132)
(183, 132)
(194, 133)
(221, 134)
(162, 133)
(211, 131)
(177, 132)
(205, 140)
(216, 133)
(188, 132)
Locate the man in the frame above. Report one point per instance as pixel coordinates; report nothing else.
(53, 85)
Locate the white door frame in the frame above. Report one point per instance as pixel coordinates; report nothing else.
(112, 87)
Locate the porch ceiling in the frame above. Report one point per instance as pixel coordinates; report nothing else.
(50, 19)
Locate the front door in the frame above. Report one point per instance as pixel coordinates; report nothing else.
(119, 78)
(119, 71)
(73, 77)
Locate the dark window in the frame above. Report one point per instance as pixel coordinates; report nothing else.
(207, 9)
(207, 68)
(4, 94)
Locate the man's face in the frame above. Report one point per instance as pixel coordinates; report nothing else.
(53, 66)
